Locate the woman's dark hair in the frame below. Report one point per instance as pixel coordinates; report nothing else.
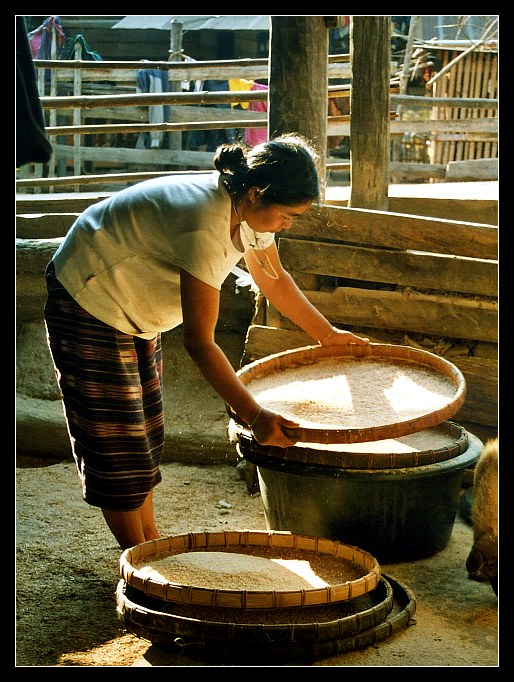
(285, 169)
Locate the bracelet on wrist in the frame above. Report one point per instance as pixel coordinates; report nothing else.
(251, 424)
(326, 338)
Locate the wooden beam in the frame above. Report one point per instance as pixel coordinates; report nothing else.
(163, 157)
(370, 48)
(395, 230)
(471, 126)
(145, 99)
(299, 65)
(110, 129)
(401, 268)
(44, 226)
(438, 314)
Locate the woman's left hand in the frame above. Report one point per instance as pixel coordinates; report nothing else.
(340, 337)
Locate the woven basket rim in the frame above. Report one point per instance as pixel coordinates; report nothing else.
(382, 596)
(170, 591)
(377, 351)
(356, 460)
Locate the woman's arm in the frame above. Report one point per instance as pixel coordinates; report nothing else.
(200, 309)
(280, 289)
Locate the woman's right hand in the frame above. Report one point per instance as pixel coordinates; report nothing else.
(267, 429)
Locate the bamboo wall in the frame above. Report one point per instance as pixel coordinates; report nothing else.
(474, 75)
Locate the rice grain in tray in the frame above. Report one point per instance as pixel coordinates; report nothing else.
(258, 570)
(357, 394)
(249, 569)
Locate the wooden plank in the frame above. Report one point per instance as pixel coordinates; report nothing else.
(192, 114)
(163, 157)
(415, 170)
(79, 180)
(115, 128)
(57, 203)
(262, 340)
(128, 76)
(478, 126)
(44, 226)
(482, 211)
(471, 170)
(434, 314)
(481, 404)
(151, 99)
(405, 268)
(247, 69)
(183, 113)
(400, 231)
(137, 114)
(470, 103)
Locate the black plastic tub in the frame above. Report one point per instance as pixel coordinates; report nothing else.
(399, 514)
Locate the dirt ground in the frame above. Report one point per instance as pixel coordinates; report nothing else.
(67, 572)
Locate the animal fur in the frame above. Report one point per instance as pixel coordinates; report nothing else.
(482, 562)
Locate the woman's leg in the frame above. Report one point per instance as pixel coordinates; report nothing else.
(132, 527)
(147, 519)
(125, 526)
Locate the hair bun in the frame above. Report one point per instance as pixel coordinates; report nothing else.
(229, 158)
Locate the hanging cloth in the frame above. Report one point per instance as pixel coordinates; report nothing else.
(239, 85)
(32, 144)
(41, 39)
(255, 136)
(68, 50)
(153, 80)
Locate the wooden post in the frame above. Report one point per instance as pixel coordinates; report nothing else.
(52, 164)
(370, 56)
(77, 114)
(175, 139)
(409, 47)
(298, 80)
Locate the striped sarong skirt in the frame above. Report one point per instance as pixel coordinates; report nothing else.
(111, 388)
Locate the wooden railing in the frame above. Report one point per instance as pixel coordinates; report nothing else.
(85, 84)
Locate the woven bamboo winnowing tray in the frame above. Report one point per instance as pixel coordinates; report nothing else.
(400, 358)
(439, 444)
(135, 562)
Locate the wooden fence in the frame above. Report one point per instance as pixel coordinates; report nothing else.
(88, 99)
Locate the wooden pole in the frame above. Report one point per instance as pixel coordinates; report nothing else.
(52, 164)
(175, 139)
(77, 115)
(370, 49)
(298, 80)
(409, 47)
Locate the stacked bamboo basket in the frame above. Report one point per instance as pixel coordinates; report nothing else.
(393, 358)
(357, 606)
